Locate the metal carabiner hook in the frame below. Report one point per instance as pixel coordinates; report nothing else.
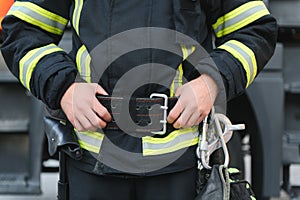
(204, 149)
(223, 143)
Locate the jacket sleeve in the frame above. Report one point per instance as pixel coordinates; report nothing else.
(245, 37)
(31, 32)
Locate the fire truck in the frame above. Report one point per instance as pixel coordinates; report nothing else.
(270, 108)
(23, 143)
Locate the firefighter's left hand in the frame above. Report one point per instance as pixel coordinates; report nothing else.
(195, 100)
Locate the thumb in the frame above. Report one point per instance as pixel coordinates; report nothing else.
(100, 90)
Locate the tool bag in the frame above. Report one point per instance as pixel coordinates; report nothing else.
(219, 182)
(224, 184)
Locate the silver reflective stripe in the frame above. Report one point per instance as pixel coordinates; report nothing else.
(187, 51)
(83, 61)
(90, 141)
(177, 82)
(38, 16)
(245, 55)
(178, 79)
(28, 63)
(240, 17)
(76, 15)
(175, 141)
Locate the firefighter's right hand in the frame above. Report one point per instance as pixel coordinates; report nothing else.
(82, 108)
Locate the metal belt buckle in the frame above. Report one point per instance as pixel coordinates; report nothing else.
(164, 108)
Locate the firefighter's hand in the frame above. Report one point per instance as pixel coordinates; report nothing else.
(195, 100)
(83, 109)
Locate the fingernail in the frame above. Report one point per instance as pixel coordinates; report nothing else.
(177, 126)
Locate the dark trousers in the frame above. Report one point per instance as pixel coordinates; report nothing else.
(174, 186)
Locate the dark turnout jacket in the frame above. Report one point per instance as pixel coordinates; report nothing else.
(239, 36)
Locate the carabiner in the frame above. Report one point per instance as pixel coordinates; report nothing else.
(204, 149)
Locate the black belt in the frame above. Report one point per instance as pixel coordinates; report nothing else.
(139, 115)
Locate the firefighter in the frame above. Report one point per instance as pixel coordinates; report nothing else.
(126, 164)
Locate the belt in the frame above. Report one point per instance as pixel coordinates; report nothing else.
(139, 115)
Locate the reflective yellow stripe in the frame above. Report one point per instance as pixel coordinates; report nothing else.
(178, 146)
(170, 137)
(245, 55)
(176, 140)
(89, 147)
(178, 79)
(184, 52)
(240, 17)
(83, 61)
(233, 170)
(247, 186)
(29, 61)
(90, 140)
(76, 15)
(93, 134)
(38, 16)
(252, 197)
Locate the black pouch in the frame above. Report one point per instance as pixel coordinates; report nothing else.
(224, 184)
(61, 138)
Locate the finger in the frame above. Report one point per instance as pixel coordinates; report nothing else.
(200, 119)
(189, 119)
(178, 123)
(96, 121)
(101, 111)
(184, 120)
(204, 113)
(192, 121)
(82, 123)
(175, 112)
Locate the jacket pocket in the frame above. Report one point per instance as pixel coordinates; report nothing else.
(190, 20)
